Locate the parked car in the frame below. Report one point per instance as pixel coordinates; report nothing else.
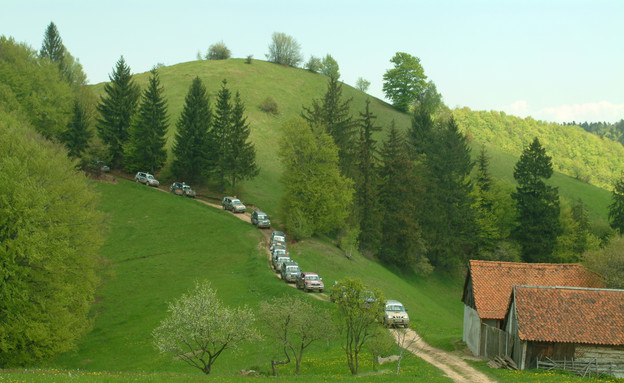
(180, 188)
(278, 261)
(308, 281)
(146, 178)
(233, 204)
(99, 166)
(395, 314)
(290, 271)
(260, 220)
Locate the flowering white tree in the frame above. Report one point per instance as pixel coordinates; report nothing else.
(199, 328)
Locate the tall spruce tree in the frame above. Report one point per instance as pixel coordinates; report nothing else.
(616, 208)
(76, 137)
(193, 148)
(146, 144)
(537, 204)
(52, 47)
(241, 154)
(451, 225)
(401, 242)
(222, 132)
(488, 232)
(367, 183)
(332, 115)
(117, 107)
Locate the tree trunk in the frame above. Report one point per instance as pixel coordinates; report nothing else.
(274, 364)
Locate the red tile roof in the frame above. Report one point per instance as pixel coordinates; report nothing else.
(571, 315)
(493, 282)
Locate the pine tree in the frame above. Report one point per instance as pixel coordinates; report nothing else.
(117, 107)
(537, 205)
(193, 148)
(616, 208)
(241, 156)
(221, 133)
(488, 233)
(76, 137)
(332, 115)
(450, 224)
(53, 47)
(402, 242)
(367, 183)
(146, 145)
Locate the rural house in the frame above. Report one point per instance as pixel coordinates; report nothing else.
(487, 290)
(580, 328)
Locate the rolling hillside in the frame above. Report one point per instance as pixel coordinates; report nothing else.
(293, 88)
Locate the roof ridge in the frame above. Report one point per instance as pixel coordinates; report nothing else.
(570, 288)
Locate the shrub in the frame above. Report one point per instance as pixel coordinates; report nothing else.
(218, 51)
(269, 105)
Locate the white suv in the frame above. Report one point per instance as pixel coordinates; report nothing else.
(395, 314)
(146, 178)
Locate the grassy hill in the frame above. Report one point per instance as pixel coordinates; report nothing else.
(159, 244)
(294, 88)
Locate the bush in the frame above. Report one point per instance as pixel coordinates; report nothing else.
(313, 64)
(248, 61)
(269, 105)
(218, 51)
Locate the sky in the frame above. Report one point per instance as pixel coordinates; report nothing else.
(552, 60)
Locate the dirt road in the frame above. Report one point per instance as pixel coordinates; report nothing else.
(453, 366)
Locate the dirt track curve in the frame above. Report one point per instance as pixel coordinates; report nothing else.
(451, 365)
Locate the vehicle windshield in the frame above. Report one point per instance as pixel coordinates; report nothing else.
(186, 187)
(395, 308)
(292, 269)
(151, 177)
(279, 239)
(236, 202)
(262, 217)
(312, 277)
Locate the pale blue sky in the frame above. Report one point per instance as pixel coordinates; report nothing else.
(553, 60)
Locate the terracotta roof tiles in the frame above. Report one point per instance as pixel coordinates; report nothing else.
(572, 315)
(493, 282)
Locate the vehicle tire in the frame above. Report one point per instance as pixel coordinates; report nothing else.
(320, 291)
(305, 290)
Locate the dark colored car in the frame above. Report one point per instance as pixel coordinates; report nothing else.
(308, 281)
(180, 188)
(260, 219)
(290, 271)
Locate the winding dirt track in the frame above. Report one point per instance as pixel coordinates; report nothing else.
(451, 365)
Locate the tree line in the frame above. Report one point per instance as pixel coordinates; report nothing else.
(412, 196)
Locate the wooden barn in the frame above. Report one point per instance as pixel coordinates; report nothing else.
(488, 287)
(580, 329)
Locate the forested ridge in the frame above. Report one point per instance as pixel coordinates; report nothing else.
(575, 152)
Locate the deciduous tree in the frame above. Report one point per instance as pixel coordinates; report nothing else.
(218, 51)
(117, 107)
(317, 198)
(285, 50)
(330, 67)
(362, 84)
(405, 82)
(200, 328)
(50, 234)
(296, 324)
(146, 145)
(359, 310)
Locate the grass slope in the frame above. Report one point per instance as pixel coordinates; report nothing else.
(159, 244)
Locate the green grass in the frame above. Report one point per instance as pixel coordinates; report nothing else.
(540, 376)
(158, 245)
